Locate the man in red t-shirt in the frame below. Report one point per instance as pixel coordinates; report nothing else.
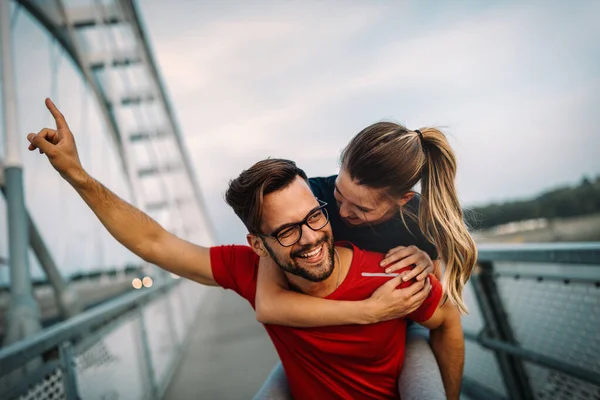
(287, 223)
(352, 361)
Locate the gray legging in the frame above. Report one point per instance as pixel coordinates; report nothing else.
(420, 377)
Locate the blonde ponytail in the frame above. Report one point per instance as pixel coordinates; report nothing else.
(441, 216)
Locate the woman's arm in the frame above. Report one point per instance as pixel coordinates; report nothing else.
(277, 304)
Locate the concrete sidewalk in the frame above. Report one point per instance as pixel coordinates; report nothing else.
(229, 354)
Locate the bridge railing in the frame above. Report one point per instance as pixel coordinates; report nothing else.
(533, 332)
(533, 328)
(126, 348)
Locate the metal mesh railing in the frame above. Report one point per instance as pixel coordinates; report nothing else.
(112, 368)
(555, 318)
(126, 349)
(534, 323)
(482, 367)
(472, 321)
(51, 387)
(162, 340)
(549, 384)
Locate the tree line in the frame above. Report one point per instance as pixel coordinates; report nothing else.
(563, 202)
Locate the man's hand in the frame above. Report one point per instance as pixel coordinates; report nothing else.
(388, 302)
(58, 145)
(128, 225)
(402, 257)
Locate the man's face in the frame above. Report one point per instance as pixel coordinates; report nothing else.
(311, 257)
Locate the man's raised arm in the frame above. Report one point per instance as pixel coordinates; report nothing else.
(130, 226)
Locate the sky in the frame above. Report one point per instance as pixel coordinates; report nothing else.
(514, 85)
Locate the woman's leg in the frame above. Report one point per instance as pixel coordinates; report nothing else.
(276, 386)
(420, 377)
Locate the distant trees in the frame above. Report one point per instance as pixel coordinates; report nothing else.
(563, 202)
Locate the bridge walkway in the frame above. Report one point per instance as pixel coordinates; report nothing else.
(229, 354)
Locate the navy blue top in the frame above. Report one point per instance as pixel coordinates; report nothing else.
(380, 237)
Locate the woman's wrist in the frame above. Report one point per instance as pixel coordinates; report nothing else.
(369, 314)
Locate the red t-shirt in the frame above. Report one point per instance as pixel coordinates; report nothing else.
(350, 361)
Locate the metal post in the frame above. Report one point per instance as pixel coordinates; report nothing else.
(65, 296)
(68, 366)
(186, 318)
(23, 316)
(146, 359)
(497, 326)
(170, 310)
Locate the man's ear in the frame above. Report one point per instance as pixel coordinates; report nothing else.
(406, 197)
(257, 245)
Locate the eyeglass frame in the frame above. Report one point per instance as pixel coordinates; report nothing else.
(300, 224)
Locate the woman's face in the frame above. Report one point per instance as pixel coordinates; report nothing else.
(362, 205)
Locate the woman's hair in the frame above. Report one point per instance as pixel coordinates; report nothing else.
(388, 156)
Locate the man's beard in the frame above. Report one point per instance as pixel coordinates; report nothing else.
(317, 273)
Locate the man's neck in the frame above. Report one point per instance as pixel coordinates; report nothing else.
(325, 288)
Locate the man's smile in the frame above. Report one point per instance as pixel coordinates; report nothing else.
(313, 256)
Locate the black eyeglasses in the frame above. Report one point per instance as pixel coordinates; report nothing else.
(288, 235)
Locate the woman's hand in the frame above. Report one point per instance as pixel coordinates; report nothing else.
(388, 302)
(401, 257)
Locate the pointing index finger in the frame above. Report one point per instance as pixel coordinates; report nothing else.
(61, 123)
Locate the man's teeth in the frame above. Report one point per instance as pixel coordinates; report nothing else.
(312, 253)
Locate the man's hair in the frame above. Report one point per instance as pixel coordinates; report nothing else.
(246, 192)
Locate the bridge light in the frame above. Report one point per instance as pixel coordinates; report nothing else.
(147, 282)
(136, 283)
